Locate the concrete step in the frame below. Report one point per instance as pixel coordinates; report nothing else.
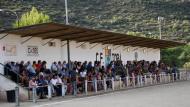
(6, 85)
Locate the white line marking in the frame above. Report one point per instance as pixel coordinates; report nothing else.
(54, 103)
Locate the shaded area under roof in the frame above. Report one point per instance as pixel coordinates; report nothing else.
(79, 34)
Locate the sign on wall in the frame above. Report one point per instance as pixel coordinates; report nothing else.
(116, 56)
(32, 51)
(10, 50)
(107, 56)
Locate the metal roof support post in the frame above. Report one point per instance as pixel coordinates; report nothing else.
(63, 44)
(80, 45)
(135, 49)
(117, 47)
(26, 40)
(4, 36)
(68, 55)
(105, 46)
(94, 46)
(126, 48)
(47, 42)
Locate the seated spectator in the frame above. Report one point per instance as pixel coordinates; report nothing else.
(75, 78)
(65, 81)
(32, 83)
(81, 80)
(24, 78)
(30, 69)
(42, 89)
(34, 66)
(59, 67)
(54, 68)
(38, 66)
(89, 66)
(21, 67)
(56, 85)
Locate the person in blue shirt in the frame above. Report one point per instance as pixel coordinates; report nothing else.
(42, 90)
(30, 69)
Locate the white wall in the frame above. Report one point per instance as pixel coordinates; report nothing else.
(46, 53)
(59, 53)
(87, 54)
(82, 54)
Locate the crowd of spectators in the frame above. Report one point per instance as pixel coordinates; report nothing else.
(74, 74)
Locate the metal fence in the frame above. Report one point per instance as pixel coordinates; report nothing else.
(108, 85)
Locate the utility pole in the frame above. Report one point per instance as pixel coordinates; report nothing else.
(66, 13)
(68, 42)
(160, 19)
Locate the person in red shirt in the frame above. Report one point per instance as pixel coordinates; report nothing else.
(38, 66)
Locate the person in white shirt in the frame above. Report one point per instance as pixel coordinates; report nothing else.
(56, 82)
(83, 73)
(61, 82)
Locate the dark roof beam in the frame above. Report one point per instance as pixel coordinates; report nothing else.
(126, 41)
(101, 40)
(75, 36)
(151, 46)
(144, 45)
(92, 37)
(119, 39)
(65, 34)
(45, 32)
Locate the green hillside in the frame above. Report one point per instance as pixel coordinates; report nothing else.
(135, 17)
(115, 15)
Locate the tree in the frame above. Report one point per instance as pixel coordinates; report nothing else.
(31, 18)
(179, 55)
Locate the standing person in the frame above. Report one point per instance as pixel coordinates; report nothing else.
(130, 68)
(175, 71)
(73, 76)
(82, 78)
(89, 66)
(109, 76)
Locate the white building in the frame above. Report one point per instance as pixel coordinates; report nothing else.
(49, 42)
